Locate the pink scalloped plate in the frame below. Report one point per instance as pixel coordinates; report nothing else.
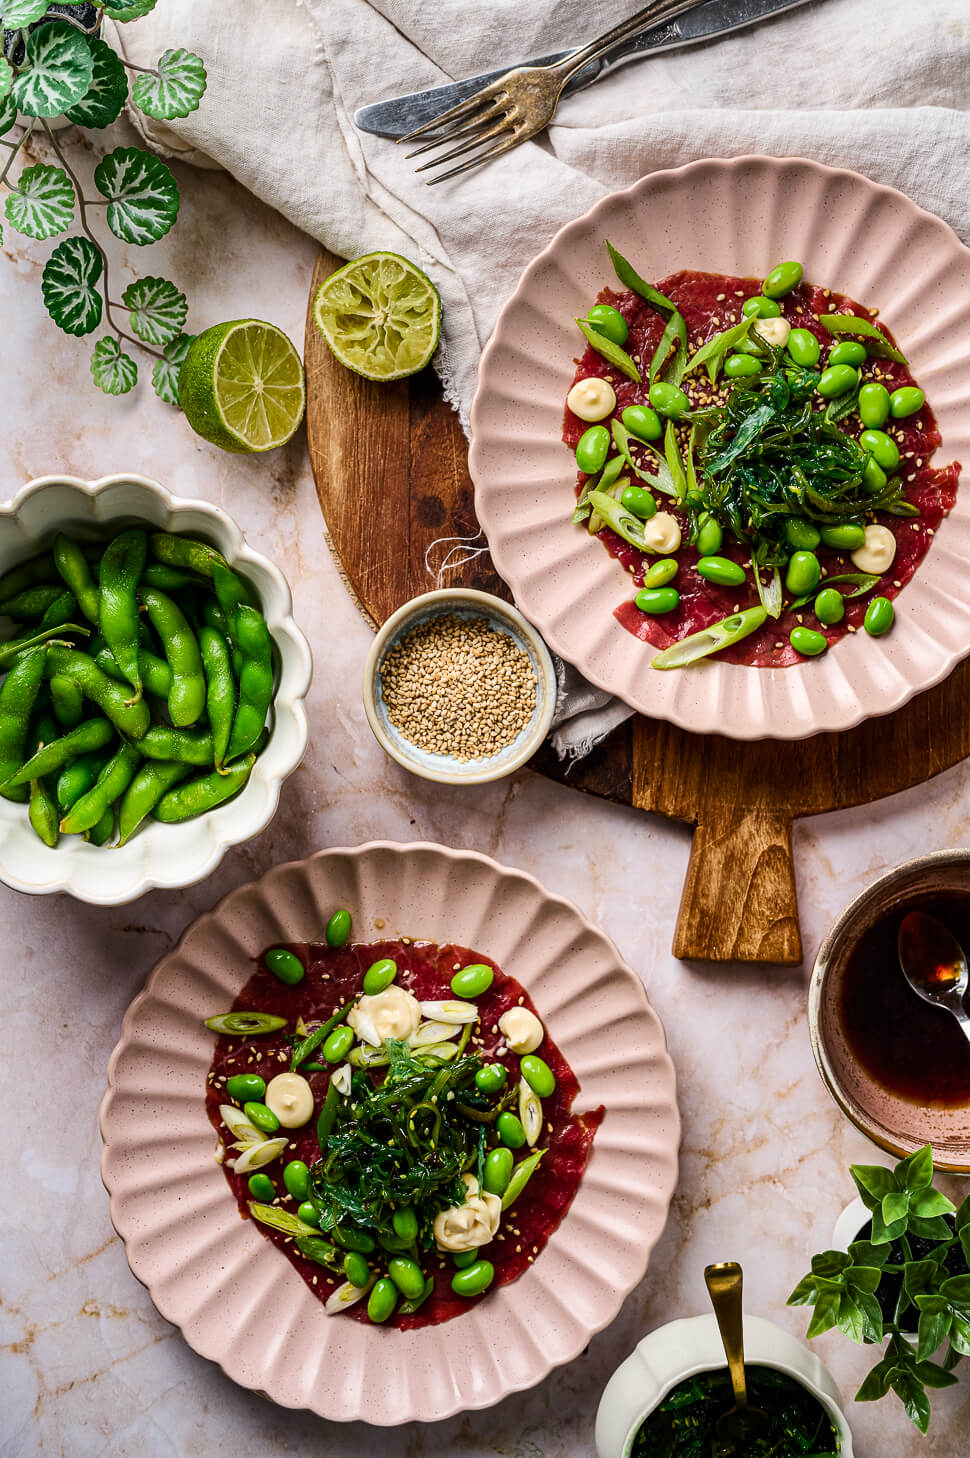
(237, 1300)
(737, 216)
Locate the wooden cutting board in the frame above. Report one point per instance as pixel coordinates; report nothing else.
(391, 469)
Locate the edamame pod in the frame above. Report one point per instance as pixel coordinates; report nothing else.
(42, 813)
(255, 680)
(196, 797)
(33, 602)
(121, 569)
(186, 699)
(151, 780)
(103, 829)
(109, 786)
(156, 676)
(73, 566)
(232, 593)
(131, 719)
(184, 552)
(18, 694)
(54, 755)
(27, 574)
(67, 701)
(188, 746)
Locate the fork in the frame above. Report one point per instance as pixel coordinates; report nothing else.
(524, 100)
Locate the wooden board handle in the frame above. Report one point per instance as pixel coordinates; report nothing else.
(739, 902)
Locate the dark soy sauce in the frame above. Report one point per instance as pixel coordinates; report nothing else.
(915, 1051)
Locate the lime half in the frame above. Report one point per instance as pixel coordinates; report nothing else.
(380, 315)
(242, 386)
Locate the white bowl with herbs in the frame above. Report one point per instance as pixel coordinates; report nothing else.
(459, 687)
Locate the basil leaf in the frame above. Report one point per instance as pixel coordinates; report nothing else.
(69, 286)
(611, 352)
(43, 203)
(143, 196)
(58, 70)
(854, 324)
(114, 373)
(158, 310)
(175, 91)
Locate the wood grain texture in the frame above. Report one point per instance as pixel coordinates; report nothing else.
(390, 464)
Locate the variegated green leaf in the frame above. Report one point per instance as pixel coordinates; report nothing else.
(114, 373)
(165, 375)
(176, 90)
(6, 79)
(125, 10)
(105, 98)
(70, 287)
(157, 309)
(59, 70)
(43, 203)
(22, 12)
(143, 196)
(8, 114)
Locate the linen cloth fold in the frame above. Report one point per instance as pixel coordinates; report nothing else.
(880, 86)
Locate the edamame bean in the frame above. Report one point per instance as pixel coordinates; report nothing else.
(829, 606)
(722, 571)
(472, 980)
(782, 279)
(257, 1113)
(657, 600)
(874, 477)
(592, 448)
(510, 1130)
(847, 352)
(380, 974)
(638, 500)
(245, 1087)
(405, 1223)
(382, 1300)
(338, 928)
(661, 572)
(356, 1268)
(668, 400)
(407, 1276)
(308, 1213)
(462, 1259)
(845, 538)
(498, 1171)
(609, 321)
(741, 366)
(837, 380)
(642, 422)
(807, 642)
(906, 401)
(474, 1280)
(285, 965)
(491, 1078)
(803, 573)
(296, 1178)
(538, 1075)
(804, 348)
(261, 1187)
(873, 404)
(710, 536)
(884, 449)
(879, 618)
(802, 534)
(760, 307)
(339, 1044)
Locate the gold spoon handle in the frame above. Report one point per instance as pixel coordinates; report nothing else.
(724, 1287)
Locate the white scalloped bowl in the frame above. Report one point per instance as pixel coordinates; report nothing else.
(237, 1299)
(159, 855)
(735, 216)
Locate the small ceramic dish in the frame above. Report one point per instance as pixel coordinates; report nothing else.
(896, 1124)
(463, 602)
(159, 855)
(679, 1350)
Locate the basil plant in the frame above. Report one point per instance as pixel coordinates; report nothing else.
(54, 65)
(907, 1283)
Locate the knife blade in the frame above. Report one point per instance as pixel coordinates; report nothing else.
(401, 114)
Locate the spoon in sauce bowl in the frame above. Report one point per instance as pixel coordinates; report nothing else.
(741, 1422)
(934, 964)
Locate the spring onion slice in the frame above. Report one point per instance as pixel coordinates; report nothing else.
(712, 353)
(279, 1219)
(621, 440)
(854, 324)
(711, 640)
(771, 595)
(601, 482)
(865, 582)
(521, 1176)
(674, 463)
(616, 516)
(244, 1024)
(611, 352)
(675, 337)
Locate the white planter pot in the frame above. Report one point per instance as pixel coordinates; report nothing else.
(849, 1223)
(677, 1351)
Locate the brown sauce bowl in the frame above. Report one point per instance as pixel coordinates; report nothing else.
(896, 1123)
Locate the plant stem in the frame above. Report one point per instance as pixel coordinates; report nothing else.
(16, 146)
(130, 66)
(82, 208)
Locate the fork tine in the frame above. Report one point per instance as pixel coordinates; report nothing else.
(513, 141)
(456, 113)
(476, 121)
(476, 141)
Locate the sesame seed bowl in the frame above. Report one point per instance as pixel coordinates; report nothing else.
(458, 687)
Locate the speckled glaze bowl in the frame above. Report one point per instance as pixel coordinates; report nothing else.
(159, 855)
(739, 216)
(895, 1124)
(237, 1300)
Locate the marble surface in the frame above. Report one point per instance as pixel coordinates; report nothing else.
(87, 1367)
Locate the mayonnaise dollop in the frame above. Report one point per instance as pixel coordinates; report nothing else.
(592, 399)
(877, 551)
(662, 532)
(774, 331)
(467, 1226)
(393, 1013)
(521, 1029)
(290, 1098)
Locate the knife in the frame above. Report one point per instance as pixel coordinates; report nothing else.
(400, 115)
